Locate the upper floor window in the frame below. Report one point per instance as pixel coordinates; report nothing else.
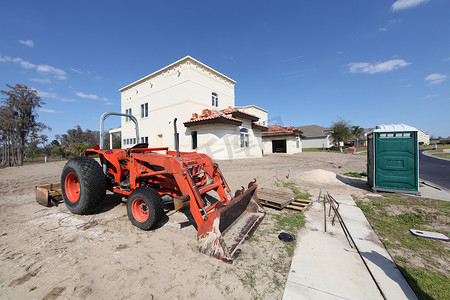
(144, 110)
(215, 99)
(128, 112)
(244, 138)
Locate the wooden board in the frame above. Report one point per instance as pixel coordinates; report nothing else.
(275, 199)
(300, 205)
(280, 200)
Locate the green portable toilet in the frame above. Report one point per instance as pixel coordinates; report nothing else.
(393, 159)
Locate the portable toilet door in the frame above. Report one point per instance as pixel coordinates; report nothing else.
(393, 159)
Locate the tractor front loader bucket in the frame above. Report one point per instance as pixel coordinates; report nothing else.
(227, 227)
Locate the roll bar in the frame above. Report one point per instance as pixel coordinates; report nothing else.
(106, 115)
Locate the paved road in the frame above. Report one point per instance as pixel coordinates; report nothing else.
(434, 170)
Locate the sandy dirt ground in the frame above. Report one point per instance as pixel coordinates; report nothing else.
(49, 253)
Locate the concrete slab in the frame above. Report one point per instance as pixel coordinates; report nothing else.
(324, 265)
(428, 191)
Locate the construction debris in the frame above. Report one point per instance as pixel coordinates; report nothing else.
(429, 234)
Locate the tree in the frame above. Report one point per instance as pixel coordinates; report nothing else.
(357, 133)
(340, 131)
(18, 123)
(116, 141)
(78, 136)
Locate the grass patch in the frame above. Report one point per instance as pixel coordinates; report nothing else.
(426, 265)
(294, 188)
(440, 147)
(426, 284)
(290, 222)
(443, 155)
(356, 174)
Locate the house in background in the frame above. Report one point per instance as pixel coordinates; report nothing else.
(423, 137)
(279, 139)
(315, 136)
(202, 100)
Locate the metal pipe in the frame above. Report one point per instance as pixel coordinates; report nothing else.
(177, 142)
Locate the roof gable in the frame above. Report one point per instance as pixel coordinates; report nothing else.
(186, 59)
(314, 131)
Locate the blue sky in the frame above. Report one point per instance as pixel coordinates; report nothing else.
(307, 62)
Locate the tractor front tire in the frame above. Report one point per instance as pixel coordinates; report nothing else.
(145, 208)
(83, 185)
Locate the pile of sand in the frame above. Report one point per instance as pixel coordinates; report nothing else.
(320, 176)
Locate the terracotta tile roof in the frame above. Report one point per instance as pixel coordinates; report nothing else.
(259, 127)
(237, 113)
(209, 116)
(280, 130)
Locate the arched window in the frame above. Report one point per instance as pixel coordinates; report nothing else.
(215, 100)
(244, 138)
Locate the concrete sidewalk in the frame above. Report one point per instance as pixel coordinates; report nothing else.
(324, 265)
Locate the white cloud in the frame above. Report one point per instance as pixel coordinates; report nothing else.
(28, 43)
(57, 73)
(76, 71)
(23, 63)
(293, 58)
(435, 78)
(40, 80)
(405, 4)
(48, 110)
(88, 96)
(395, 21)
(430, 96)
(382, 29)
(67, 100)
(386, 66)
(446, 59)
(44, 94)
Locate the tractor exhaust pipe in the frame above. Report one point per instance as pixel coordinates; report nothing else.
(177, 141)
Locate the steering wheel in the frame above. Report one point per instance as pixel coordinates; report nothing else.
(137, 146)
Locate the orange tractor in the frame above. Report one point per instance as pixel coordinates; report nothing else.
(150, 177)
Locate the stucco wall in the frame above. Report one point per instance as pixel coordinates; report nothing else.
(223, 141)
(173, 93)
(423, 137)
(317, 142)
(262, 114)
(293, 144)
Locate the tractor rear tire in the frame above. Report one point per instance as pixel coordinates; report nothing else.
(145, 208)
(83, 185)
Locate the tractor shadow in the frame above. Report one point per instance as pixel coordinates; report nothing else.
(111, 201)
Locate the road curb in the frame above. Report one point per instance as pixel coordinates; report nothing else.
(431, 155)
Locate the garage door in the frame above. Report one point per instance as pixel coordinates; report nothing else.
(279, 146)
